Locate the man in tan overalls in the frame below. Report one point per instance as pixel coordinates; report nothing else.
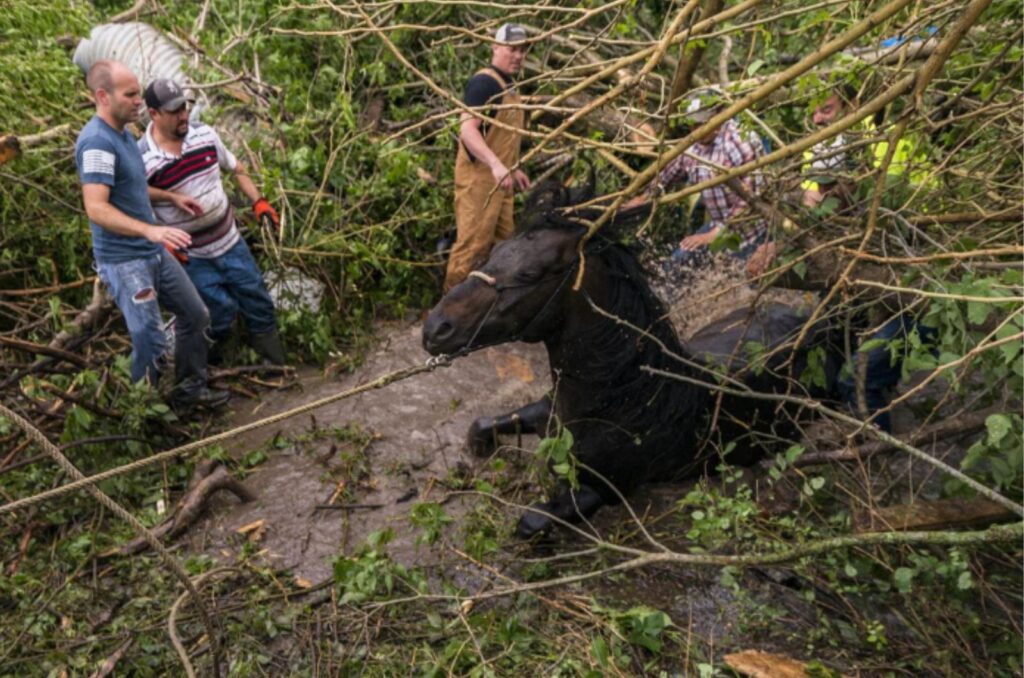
(484, 180)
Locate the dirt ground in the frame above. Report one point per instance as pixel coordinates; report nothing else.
(403, 443)
(418, 428)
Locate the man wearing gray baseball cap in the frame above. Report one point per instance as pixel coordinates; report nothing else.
(489, 143)
(189, 158)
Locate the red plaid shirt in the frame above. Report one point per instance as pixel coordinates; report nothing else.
(730, 148)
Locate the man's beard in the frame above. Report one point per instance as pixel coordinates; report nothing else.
(181, 132)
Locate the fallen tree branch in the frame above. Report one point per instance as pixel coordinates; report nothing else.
(995, 534)
(108, 666)
(192, 504)
(943, 430)
(39, 349)
(98, 308)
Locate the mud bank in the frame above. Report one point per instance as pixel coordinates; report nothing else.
(400, 444)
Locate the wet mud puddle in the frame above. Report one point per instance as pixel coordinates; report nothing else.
(327, 479)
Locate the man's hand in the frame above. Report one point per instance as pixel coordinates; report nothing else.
(166, 235)
(761, 259)
(698, 240)
(266, 214)
(521, 181)
(502, 177)
(185, 203)
(635, 201)
(812, 197)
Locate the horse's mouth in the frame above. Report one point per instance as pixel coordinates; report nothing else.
(440, 335)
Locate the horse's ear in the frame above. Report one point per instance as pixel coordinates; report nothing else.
(586, 192)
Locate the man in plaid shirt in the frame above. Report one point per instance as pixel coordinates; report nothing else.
(721, 149)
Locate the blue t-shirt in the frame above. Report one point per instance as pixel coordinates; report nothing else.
(106, 156)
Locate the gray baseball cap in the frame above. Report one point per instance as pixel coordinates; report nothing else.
(164, 95)
(510, 33)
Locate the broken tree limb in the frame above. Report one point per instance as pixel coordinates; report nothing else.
(93, 314)
(192, 504)
(39, 349)
(614, 124)
(943, 514)
(12, 146)
(944, 430)
(110, 663)
(692, 51)
(129, 14)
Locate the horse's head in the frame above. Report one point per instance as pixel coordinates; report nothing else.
(517, 294)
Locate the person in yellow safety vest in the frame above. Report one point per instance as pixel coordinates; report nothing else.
(824, 167)
(824, 162)
(829, 161)
(485, 172)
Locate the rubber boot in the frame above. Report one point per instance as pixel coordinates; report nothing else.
(268, 346)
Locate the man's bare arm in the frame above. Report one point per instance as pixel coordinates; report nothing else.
(246, 183)
(179, 200)
(471, 137)
(100, 211)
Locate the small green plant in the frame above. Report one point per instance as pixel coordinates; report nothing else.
(431, 518)
(637, 627)
(556, 452)
(369, 574)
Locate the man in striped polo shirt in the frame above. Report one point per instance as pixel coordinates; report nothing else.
(188, 158)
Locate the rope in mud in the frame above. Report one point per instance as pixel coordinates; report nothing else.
(36, 435)
(172, 618)
(89, 481)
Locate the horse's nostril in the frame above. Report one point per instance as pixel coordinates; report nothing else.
(443, 330)
(436, 330)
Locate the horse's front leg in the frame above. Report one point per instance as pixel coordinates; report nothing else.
(570, 506)
(482, 439)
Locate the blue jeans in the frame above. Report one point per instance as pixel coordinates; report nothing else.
(232, 283)
(140, 287)
(883, 370)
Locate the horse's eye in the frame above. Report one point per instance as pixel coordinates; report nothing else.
(528, 277)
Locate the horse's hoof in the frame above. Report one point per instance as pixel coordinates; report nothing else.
(480, 439)
(533, 523)
(586, 501)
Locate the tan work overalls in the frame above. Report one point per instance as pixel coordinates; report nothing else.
(483, 212)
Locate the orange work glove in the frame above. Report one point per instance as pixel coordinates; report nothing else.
(180, 255)
(265, 214)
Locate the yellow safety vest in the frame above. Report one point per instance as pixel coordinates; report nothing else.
(906, 157)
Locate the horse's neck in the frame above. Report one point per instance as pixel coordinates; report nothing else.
(593, 352)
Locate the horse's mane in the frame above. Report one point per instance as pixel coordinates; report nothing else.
(550, 205)
(622, 392)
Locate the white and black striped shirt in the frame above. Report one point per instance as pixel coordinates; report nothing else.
(195, 173)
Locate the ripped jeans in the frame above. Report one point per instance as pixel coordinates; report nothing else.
(140, 287)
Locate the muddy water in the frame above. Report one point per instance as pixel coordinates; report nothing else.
(418, 428)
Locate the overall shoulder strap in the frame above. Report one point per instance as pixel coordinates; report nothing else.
(494, 74)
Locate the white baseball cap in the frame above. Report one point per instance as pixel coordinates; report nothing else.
(510, 33)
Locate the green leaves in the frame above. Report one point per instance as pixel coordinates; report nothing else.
(557, 452)
(370, 573)
(999, 456)
(998, 426)
(431, 518)
(640, 626)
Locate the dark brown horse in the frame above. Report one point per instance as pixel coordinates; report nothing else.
(628, 424)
